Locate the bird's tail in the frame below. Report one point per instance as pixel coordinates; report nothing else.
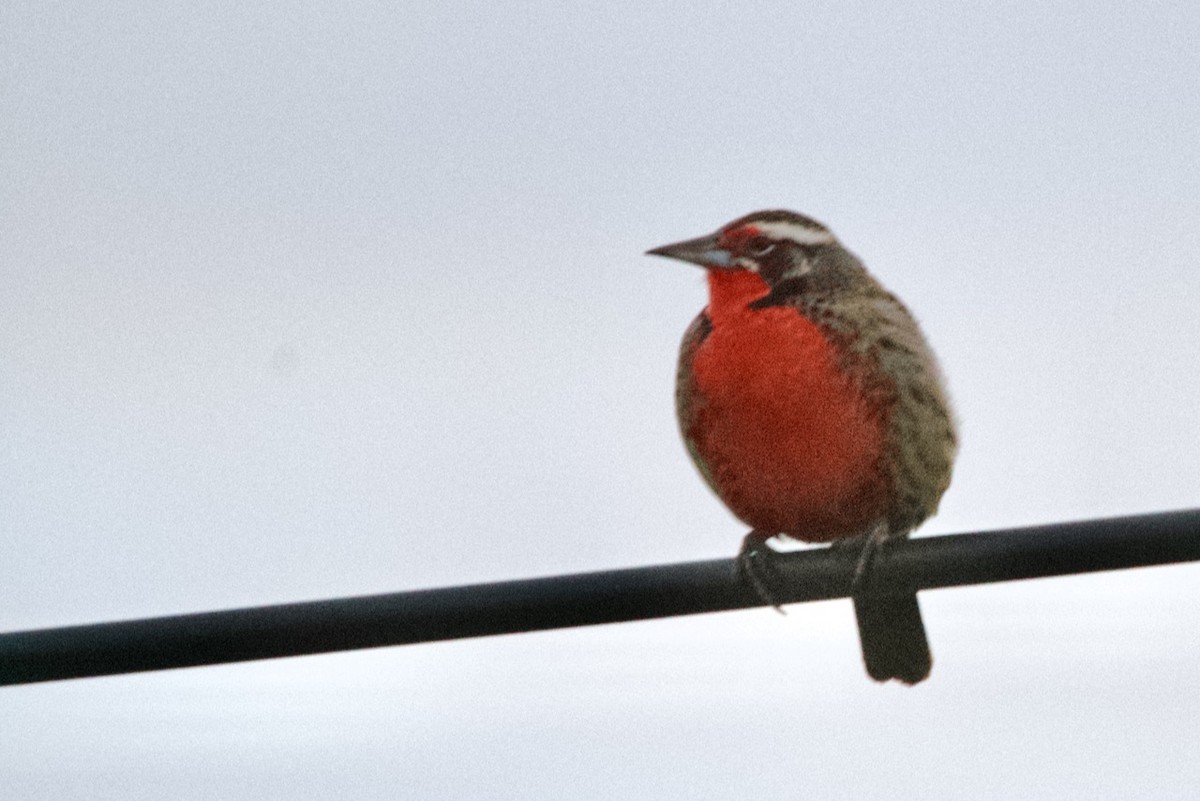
(893, 638)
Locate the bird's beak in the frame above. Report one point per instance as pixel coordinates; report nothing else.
(703, 250)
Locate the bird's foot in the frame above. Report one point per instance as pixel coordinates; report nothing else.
(869, 549)
(754, 563)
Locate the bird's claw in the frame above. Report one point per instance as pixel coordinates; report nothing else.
(755, 567)
(871, 545)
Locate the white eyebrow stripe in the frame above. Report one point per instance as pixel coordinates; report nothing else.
(800, 234)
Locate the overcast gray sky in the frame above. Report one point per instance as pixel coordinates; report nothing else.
(306, 300)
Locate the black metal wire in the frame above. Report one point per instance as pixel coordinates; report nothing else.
(239, 635)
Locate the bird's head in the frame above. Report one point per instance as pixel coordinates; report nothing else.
(774, 244)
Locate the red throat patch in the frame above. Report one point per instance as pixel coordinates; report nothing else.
(791, 440)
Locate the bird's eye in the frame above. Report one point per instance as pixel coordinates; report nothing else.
(760, 246)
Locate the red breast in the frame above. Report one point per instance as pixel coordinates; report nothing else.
(788, 437)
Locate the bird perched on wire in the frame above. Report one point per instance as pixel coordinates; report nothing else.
(814, 408)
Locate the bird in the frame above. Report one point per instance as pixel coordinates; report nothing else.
(815, 409)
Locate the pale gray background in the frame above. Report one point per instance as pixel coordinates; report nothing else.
(323, 299)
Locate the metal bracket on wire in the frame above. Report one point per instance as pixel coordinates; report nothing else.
(342, 624)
